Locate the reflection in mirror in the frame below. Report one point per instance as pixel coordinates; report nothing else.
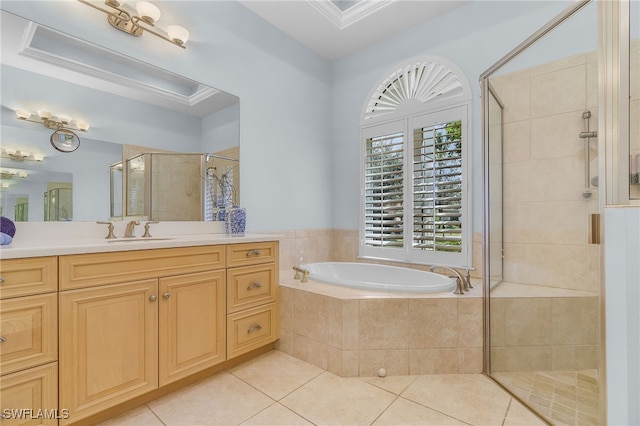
(122, 100)
(634, 100)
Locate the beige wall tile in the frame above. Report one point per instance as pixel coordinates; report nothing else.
(350, 324)
(556, 136)
(498, 321)
(310, 350)
(470, 323)
(558, 65)
(575, 321)
(285, 343)
(433, 361)
(515, 96)
(470, 360)
(433, 323)
(528, 321)
(559, 91)
(516, 142)
(395, 362)
(286, 308)
(383, 324)
(521, 358)
(310, 315)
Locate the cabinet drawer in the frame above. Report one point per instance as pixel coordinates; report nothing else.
(251, 253)
(251, 286)
(30, 392)
(22, 277)
(86, 270)
(250, 329)
(29, 330)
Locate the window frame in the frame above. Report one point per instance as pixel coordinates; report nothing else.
(408, 117)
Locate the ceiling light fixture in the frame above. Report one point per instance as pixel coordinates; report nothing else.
(144, 18)
(61, 121)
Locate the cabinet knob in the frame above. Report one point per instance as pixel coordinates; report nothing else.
(166, 295)
(254, 252)
(254, 285)
(253, 328)
(3, 339)
(153, 297)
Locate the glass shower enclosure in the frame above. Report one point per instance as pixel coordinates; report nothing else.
(542, 252)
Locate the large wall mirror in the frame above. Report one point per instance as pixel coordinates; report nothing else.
(131, 109)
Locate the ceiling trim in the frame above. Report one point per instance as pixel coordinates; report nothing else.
(342, 19)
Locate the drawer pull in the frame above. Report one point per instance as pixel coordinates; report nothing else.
(253, 328)
(153, 297)
(1, 279)
(3, 339)
(254, 252)
(254, 285)
(166, 295)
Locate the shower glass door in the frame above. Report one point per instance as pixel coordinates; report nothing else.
(542, 271)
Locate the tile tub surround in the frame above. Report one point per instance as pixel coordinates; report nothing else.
(352, 332)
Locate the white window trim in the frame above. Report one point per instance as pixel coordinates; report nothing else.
(403, 119)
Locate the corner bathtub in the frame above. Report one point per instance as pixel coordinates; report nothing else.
(368, 276)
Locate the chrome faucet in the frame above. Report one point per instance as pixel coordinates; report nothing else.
(460, 280)
(131, 229)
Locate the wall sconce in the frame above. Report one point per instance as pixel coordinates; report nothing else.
(45, 118)
(19, 155)
(126, 20)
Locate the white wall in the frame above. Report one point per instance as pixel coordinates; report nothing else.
(284, 92)
(622, 232)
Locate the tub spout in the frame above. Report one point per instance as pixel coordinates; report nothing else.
(460, 280)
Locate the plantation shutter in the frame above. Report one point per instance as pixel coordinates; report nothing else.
(383, 188)
(437, 187)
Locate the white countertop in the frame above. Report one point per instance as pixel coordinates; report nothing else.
(37, 240)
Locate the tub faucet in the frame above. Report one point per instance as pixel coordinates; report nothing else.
(131, 229)
(460, 280)
(305, 274)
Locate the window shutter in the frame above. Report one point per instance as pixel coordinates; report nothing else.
(384, 191)
(437, 187)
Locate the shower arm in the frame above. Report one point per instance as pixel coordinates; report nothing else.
(587, 134)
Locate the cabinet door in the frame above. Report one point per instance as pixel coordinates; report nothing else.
(108, 345)
(30, 397)
(28, 332)
(192, 324)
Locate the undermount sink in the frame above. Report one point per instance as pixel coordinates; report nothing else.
(140, 239)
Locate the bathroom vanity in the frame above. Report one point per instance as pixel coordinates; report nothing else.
(99, 326)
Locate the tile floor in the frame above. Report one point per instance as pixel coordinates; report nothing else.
(565, 397)
(278, 389)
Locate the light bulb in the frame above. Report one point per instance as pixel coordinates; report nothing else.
(38, 157)
(22, 114)
(178, 34)
(44, 114)
(148, 12)
(82, 126)
(64, 118)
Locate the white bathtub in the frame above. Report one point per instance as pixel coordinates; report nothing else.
(379, 277)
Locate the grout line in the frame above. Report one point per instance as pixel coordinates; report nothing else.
(155, 414)
(506, 413)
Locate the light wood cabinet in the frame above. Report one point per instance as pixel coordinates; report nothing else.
(28, 332)
(29, 341)
(30, 397)
(192, 324)
(108, 345)
(23, 277)
(252, 293)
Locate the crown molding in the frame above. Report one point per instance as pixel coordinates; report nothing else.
(342, 19)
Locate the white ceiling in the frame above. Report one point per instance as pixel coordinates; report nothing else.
(322, 27)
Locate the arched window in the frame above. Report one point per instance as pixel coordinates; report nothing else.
(415, 198)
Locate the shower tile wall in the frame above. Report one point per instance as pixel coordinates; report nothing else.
(177, 187)
(634, 113)
(546, 220)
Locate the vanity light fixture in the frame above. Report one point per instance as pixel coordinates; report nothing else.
(61, 121)
(19, 155)
(10, 174)
(143, 18)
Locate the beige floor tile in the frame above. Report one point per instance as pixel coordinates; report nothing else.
(394, 384)
(469, 397)
(219, 400)
(276, 373)
(329, 399)
(276, 414)
(405, 412)
(519, 415)
(136, 417)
